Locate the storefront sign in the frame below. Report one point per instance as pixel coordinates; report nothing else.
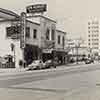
(23, 30)
(13, 32)
(38, 8)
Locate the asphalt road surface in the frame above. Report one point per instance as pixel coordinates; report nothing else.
(76, 83)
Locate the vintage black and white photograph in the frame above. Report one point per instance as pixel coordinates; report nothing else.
(49, 50)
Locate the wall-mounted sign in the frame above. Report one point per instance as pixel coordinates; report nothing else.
(23, 30)
(38, 8)
(13, 32)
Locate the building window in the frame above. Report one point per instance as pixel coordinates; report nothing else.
(34, 33)
(63, 41)
(97, 31)
(28, 32)
(53, 34)
(47, 34)
(88, 43)
(88, 23)
(58, 39)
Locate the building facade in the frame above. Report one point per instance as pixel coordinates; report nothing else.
(42, 39)
(93, 36)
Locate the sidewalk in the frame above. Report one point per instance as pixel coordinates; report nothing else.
(12, 70)
(61, 67)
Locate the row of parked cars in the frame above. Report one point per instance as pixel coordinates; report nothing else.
(39, 64)
(85, 60)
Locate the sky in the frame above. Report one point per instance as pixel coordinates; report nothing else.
(71, 15)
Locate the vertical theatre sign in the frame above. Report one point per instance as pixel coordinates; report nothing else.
(23, 30)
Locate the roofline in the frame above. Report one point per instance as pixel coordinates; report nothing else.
(7, 20)
(43, 17)
(33, 22)
(61, 31)
(9, 12)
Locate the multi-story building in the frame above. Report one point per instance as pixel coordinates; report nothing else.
(42, 39)
(93, 36)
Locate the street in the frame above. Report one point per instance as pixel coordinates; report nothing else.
(74, 83)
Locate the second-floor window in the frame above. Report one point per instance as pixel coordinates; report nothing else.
(34, 33)
(47, 34)
(53, 34)
(58, 39)
(28, 32)
(63, 41)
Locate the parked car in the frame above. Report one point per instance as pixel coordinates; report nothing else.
(71, 60)
(50, 63)
(89, 61)
(36, 64)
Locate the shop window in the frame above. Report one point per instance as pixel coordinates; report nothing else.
(28, 32)
(34, 33)
(47, 34)
(58, 39)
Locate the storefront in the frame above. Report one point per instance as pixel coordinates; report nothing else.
(58, 56)
(47, 54)
(31, 52)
